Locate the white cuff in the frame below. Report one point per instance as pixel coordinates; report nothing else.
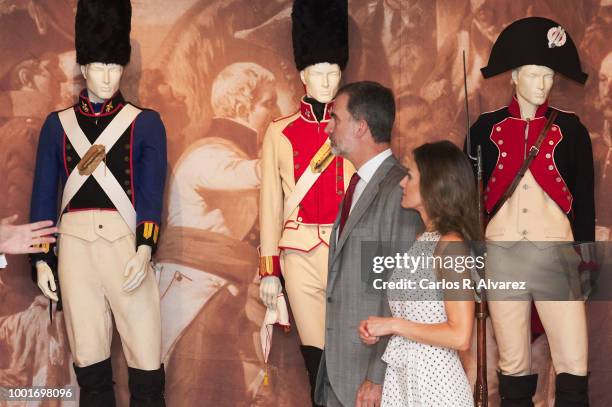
(3, 262)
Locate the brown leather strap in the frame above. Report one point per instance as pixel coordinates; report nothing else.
(533, 151)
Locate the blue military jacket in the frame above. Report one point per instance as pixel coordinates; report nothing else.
(138, 161)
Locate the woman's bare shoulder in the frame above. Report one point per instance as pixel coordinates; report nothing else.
(451, 237)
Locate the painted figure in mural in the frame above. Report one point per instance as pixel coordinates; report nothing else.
(208, 258)
(602, 151)
(553, 202)
(302, 182)
(110, 159)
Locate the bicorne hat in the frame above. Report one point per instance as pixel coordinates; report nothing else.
(535, 41)
(320, 32)
(102, 31)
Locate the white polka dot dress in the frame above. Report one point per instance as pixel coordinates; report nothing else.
(422, 375)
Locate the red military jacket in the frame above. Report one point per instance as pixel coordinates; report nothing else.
(563, 166)
(290, 143)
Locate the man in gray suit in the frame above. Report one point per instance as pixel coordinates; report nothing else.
(351, 373)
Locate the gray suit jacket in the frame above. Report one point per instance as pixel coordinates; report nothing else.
(376, 217)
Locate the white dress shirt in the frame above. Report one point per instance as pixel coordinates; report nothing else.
(366, 172)
(3, 262)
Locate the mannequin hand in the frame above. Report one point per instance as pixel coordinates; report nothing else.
(45, 280)
(269, 288)
(136, 269)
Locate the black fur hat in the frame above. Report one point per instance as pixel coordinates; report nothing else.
(320, 32)
(102, 31)
(535, 41)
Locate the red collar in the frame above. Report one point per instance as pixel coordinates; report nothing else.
(308, 114)
(515, 110)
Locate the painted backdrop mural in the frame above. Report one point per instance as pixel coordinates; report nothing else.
(218, 71)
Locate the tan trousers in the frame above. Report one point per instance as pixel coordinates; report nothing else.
(564, 321)
(94, 249)
(306, 282)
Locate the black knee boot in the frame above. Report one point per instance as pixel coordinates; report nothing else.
(571, 390)
(96, 383)
(312, 357)
(146, 387)
(517, 391)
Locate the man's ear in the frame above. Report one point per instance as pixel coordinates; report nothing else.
(24, 78)
(362, 128)
(242, 111)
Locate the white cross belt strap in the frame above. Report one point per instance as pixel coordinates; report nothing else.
(302, 186)
(105, 179)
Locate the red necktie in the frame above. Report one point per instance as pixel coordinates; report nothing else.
(348, 201)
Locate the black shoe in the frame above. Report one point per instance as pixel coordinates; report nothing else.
(571, 390)
(517, 391)
(312, 358)
(96, 383)
(146, 387)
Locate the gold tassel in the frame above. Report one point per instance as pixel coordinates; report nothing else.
(266, 381)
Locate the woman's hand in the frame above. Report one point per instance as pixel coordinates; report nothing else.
(373, 328)
(380, 326)
(365, 336)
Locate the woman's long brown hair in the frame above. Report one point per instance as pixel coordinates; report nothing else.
(448, 189)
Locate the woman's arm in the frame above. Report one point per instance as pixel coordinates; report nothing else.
(455, 333)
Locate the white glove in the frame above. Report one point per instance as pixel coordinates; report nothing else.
(46, 281)
(137, 267)
(269, 288)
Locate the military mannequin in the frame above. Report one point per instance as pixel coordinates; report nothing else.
(552, 203)
(110, 159)
(303, 184)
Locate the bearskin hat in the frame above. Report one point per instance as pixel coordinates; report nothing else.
(102, 31)
(320, 32)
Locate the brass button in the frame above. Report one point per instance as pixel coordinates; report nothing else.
(299, 218)
(500, 142)
(548, 155)
(500, 166)
(126, 183)
(100, 227)
(498, 128)
(558, 179)
(127, 172)
(69, 159)
(129, 192)
(127, 146)
(126, 158)
(68, 146)
(504, 154)
(551, 142)
(551, 167)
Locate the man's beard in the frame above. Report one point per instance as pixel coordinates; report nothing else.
(336, 150)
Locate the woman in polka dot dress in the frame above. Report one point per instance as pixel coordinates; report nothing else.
(427, 327)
